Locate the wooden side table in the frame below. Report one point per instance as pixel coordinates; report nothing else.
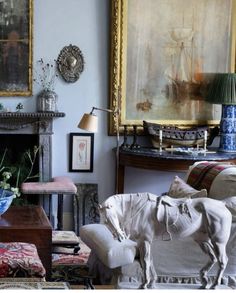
(29, 224)
(152, 159)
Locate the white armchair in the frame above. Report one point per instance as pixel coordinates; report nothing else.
(177, 261)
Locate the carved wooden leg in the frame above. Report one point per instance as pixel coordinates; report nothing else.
(121, 175)
(60, 212)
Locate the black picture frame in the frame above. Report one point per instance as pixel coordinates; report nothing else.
(81, 146)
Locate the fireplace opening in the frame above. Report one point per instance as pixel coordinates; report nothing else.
(17, 146)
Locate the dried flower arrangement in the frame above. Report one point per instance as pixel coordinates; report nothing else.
(46, 74)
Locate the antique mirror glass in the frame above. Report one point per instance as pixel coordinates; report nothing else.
(16, 47)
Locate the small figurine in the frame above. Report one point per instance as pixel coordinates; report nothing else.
(19, 107)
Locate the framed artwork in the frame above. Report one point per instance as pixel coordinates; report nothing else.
(16, 19)
(81, 152)
(163, 57)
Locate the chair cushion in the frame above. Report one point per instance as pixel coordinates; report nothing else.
(48, 187)
(110, 251)
(20, 259)
(67, 259)
(180, 189)
(64, 238)
(218, 178)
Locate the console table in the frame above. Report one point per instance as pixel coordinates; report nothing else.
(152, 159)
(29, 224)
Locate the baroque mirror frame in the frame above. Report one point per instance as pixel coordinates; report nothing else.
(143, 102)
(16, 26)
(70, 63)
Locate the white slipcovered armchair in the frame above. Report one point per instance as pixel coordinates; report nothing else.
(177, 261)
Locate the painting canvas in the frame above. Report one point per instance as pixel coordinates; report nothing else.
(15, 47)
(167, 55)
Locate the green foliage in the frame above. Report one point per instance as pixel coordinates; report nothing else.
(12, 175)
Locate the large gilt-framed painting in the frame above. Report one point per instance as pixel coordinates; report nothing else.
(163, 57)
(16, 17)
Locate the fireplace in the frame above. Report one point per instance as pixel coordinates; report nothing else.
(19, 131)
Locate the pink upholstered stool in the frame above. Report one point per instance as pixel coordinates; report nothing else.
(60, 185)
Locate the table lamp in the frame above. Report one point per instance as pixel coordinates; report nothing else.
(89, 122)
(223, 91)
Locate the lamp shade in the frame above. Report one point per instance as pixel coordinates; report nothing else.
(89, 122)
(222, 89)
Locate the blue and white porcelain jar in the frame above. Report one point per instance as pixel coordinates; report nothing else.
(228, 129)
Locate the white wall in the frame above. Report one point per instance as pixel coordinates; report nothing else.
(84, 23)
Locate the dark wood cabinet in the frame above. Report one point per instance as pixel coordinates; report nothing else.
(28, 224)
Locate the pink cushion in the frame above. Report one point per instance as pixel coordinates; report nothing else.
(48, 187)
(62, 179)
(59, 259)
(20, 259)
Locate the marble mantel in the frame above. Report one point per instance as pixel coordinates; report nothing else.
(35, 123)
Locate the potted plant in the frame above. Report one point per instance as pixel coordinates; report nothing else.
(12, 175)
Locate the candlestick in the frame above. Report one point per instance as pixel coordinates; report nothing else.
(160, 135)
(160, 140)
(205, 139)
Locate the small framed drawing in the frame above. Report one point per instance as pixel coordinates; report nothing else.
(81, 152)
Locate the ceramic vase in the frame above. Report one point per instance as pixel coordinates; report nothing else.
(6, 198)
(228, 129)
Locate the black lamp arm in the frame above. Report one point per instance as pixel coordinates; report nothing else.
(101, 109)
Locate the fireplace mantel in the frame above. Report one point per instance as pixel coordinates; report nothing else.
(28, 122)
(35, 123)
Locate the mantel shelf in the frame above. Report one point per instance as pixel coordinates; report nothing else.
(28, 122)
(40, 115)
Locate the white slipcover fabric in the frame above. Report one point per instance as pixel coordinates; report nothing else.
(177, 261)
(110, 251)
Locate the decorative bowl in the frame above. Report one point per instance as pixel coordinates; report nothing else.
(5, 201)
(173, 135)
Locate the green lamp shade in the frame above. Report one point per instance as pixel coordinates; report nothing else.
(222, 90)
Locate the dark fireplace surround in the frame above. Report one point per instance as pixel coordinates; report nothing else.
(36, 124)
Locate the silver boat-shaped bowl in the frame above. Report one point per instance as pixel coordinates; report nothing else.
(175, 136)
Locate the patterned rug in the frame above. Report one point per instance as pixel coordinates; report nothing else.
(34, 285)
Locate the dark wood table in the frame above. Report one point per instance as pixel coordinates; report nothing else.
(29, 224)
(152, 159)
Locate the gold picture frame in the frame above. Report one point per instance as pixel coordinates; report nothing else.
(147, 40)
(16, 21)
